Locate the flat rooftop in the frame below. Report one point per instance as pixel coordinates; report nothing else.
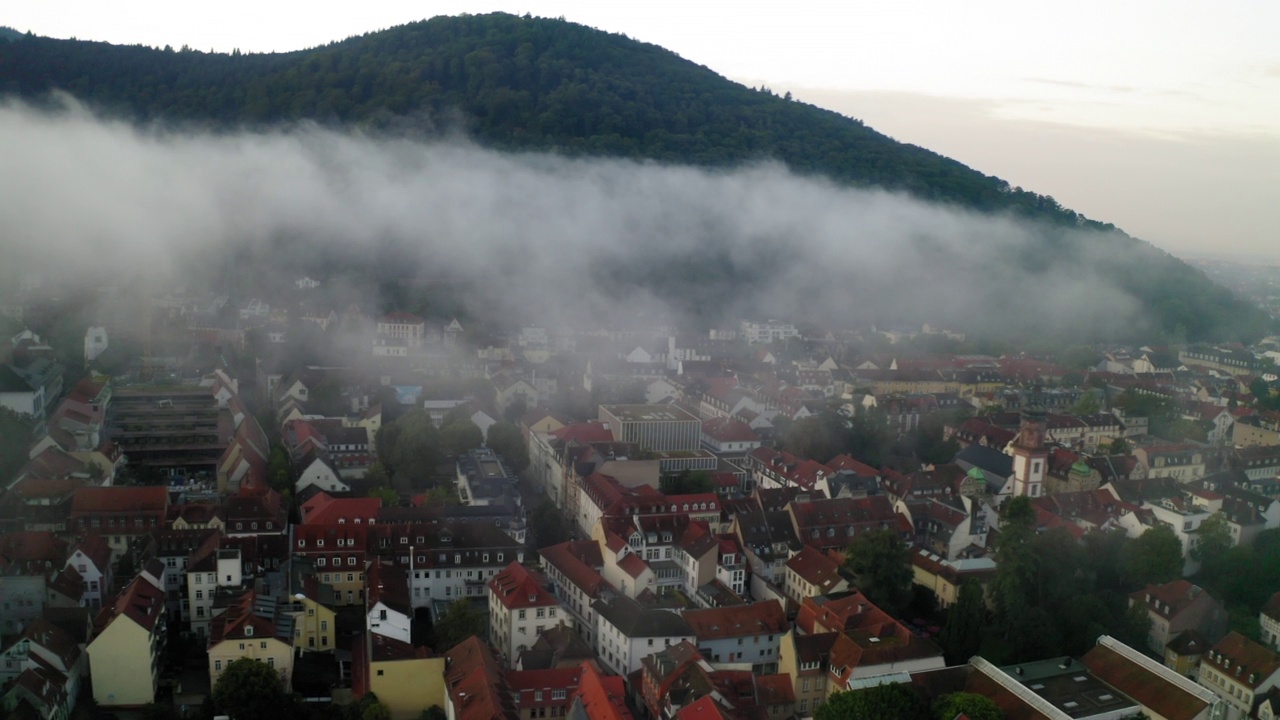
(1070, 687)
(648, 413)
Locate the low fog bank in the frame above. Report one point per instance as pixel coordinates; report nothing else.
(529, 237)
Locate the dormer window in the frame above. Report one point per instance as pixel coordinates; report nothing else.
(302, 543)
(320, 543)
(248, 631)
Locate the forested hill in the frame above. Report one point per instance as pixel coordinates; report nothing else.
(520, 83)
(544, 84)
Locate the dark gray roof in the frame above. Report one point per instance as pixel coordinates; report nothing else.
(987, 459)
(634, 620)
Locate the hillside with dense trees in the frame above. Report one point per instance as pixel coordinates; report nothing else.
(521, 83)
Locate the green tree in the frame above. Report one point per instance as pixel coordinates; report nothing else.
(688, 482)
(971, 705)
(506, 439)
(1089, 403)
(892, 701)
(459, 437)
(15, 439)
(882, 564)
(1214, 543)
(376, 711)
(459, 622)
(816, 437)
(409, 448)
(1119, 446)
(1012, 589)
(279, 470)
(548, 524)
(1154, 557)
(962, 634)
(1134, 626)
(388, 496)
(249, 689)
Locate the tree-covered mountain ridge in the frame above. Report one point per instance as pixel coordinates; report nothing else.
(522, 83)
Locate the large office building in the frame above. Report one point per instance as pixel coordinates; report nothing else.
(660, 428)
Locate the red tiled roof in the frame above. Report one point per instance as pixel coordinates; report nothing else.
(584, 433)
(815, 567)
(31, 549)
(1169, 599)
(633, 565)
(775, 689)
(603, 697)
(1161, 696)
(857, 467)
(325, 510)
(851, 612)
(475, 683)
(120, 499)
(704, 708)
(761, 618)
(527, 685)
(1243, 660)
(1272, 608)
(389, 585)
(518, 587)
(727, 429)
(235, 622)
(578, 561)
(94, 547)
(140, 601)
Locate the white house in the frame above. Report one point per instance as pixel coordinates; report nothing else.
(627, 632)
(521, 607)
(390, 612)
(95, 342)
(315, 469)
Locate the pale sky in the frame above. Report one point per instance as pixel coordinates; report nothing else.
(1161, 117)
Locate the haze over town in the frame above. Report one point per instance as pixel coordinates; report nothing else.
(1162, 121)
(488, 369)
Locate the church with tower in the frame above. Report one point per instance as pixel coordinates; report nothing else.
(1030, 456)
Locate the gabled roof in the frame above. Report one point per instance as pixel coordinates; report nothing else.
(120, 499)
(636, 621)
(52, 638)
(1243, 660)
(390, 586)
(1145, 680)
(95, 548)
(140, 601)
(1170, 599)
(322, 509)
(1272, 608)
(67, 582)
(726, 429)
(239, 621)
(602, 697)
(579, 561)
(816, 568)
(762, 618)
(519, 587)
(584, 433)
(475, 683)
(31, 551)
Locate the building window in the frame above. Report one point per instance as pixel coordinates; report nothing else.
(217, 665)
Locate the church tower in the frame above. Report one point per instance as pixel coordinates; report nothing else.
(1030, 456)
